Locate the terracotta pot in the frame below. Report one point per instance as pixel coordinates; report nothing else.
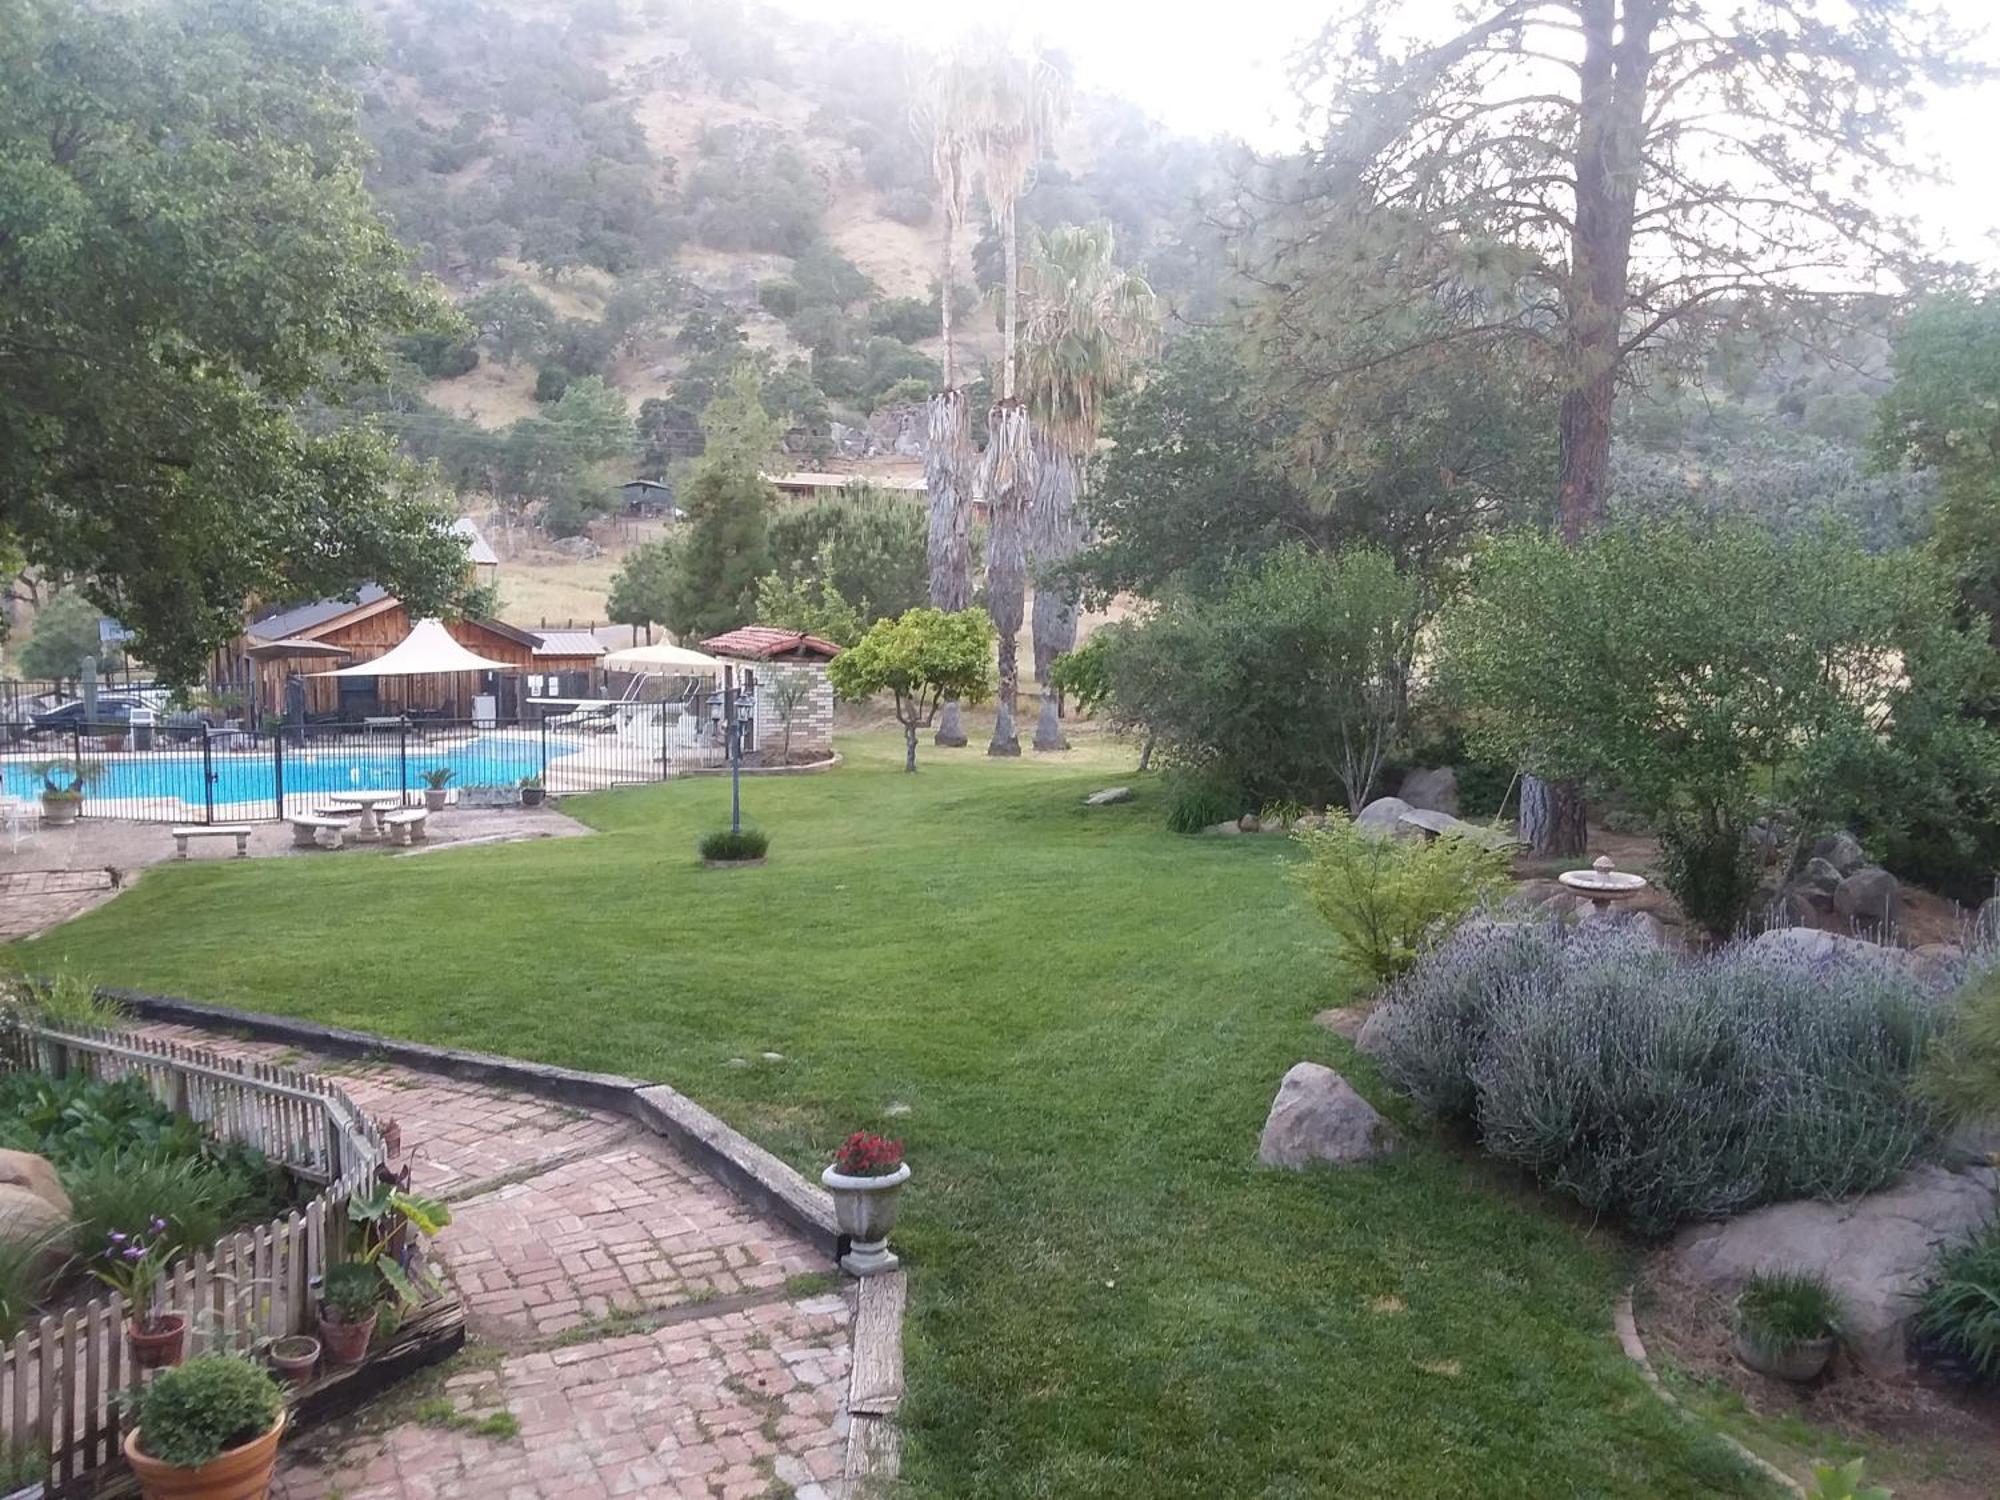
(866, 1209)
(295, 1358)
(161, 1346)
(346, 1343)
(236, 1474)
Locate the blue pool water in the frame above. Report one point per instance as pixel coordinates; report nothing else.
(174, 774)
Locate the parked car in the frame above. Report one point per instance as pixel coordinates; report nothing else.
(112, 714)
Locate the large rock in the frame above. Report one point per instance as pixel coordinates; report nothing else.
(1433, 790)
(1870, 897)
(1317, 1117)
(1840, 849)
(1819, 880)
(24, 1169)
(1875, 1251)
(1108, 796)
(1383, 819)
(1437, 824)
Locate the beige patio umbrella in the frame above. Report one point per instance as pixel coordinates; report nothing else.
(428, 650)
(665, 660)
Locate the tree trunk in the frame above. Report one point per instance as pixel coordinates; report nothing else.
(944, 289)
(1056, 539)
(910, 748)
(1552, 816)
(949, 459)
(1009, 473)
(1616, 65)
(1009, 299)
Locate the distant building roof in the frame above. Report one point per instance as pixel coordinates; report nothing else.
(648, 484)
(812, 479)
(280, 623)
(476, 546)
(766, 642)
(568, 643)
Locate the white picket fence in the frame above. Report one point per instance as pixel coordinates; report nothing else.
(62, 1381)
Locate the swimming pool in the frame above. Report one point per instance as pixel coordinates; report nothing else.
(168, 782)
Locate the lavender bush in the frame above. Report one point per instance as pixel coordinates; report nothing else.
(1657, 1089)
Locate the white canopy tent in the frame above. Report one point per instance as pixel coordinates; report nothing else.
(428, 650)
(664, 660)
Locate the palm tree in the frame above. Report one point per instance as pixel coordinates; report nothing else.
(1015, 103)
(941, 120)
(1085, 323)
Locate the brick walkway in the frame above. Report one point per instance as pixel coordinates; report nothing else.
(645, 1333)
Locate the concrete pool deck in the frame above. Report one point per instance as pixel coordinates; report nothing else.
(60, 873)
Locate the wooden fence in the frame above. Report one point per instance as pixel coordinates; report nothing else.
(62, 1380)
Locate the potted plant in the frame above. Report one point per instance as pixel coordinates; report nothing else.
(295, 1358)
(348, 1295)
(436, 779)
(1787, 1323)
(866, 1180)
(207, 1431)
(724, 848)
(132, 1265)
(532, 791)
(63, 782)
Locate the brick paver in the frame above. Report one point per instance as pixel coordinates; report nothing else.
(561, 1218)
(740, 1405)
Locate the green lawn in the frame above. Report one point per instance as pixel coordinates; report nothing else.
(1087, 1017)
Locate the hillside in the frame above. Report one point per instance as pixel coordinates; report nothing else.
(628, 197)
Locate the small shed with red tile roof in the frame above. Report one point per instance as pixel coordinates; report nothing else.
(791, 699)
(769, 643)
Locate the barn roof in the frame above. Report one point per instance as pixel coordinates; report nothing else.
(766, 642)
(280, 623)
(567, 643)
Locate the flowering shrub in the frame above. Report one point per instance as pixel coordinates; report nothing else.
(866, 1155)
(1659, 1089)
(132, 1265)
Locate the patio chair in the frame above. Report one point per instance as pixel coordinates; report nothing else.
(22, 819)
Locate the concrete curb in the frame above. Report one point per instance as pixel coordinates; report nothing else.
(732, 1158)
(1627, 1328)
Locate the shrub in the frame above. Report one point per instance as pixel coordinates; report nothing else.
(24, 1273)
(1786, 1308)
(122, 1194)
(1963, 1071)
(749, 843)
(1657, 1089)
(1199, 797)
(781, 299)
(1707, 865)
(1959, 1308)
(1385, 897)
(551, 381)
(205, 1407)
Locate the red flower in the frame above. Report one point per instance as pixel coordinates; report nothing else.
(866, 1155)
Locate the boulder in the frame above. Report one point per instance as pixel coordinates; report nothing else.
(1433, 791)
(24, 1169)
(1370, 1038)
(1818, 880)
(1874, 1251)
(1644, 923)
(1383, 817)
(1940, 965)
(1317, 1117)
(1870, 897)
(1108, 796)
(1227, 830)
(1840, 849)
(1343, 1020)
(1434, 824)
(1250, 823)
(1815, 943)
(582, 548)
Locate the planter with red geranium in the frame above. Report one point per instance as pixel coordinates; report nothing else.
(866, 1180)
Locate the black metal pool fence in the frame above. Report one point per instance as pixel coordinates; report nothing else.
(197, 774)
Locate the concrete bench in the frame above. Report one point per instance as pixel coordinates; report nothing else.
(238, 831)
(317, 830)
(405, 824)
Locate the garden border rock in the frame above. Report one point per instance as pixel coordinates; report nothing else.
(726, 1154)
(815, 768)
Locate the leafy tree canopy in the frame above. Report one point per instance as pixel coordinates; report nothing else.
(66, 631)
(642, 587)
(923, 657)
(187, 251)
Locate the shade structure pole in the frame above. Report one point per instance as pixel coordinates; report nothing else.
(735, 744)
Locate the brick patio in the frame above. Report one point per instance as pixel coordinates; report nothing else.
(638, 1321)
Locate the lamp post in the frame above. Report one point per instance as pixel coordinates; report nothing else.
(733, 710)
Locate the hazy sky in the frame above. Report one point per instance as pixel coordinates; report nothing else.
(1221, 66)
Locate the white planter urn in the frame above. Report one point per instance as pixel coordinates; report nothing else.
(866, 1209)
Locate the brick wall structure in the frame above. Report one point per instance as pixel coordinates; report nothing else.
(812, 719)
